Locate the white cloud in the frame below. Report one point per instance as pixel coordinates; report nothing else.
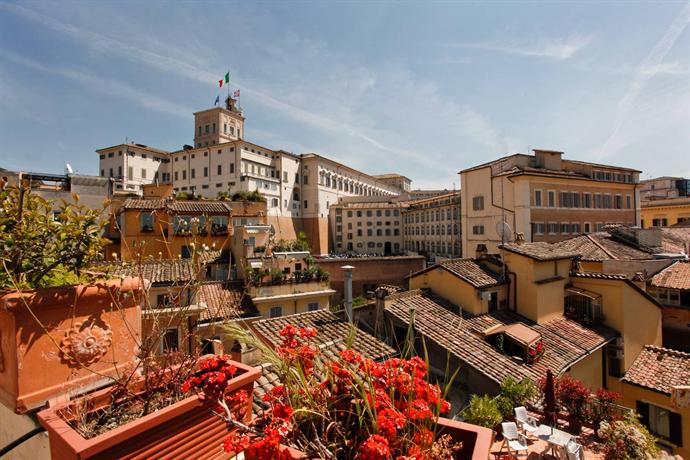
(551, 48)
(650, 66)
(665, 68)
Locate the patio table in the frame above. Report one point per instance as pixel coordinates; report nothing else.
(555, 438)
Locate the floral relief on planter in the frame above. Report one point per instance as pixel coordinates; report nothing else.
(68, 340)
(86, 342)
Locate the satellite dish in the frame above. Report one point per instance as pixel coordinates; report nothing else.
(504, 231)
(68, 168)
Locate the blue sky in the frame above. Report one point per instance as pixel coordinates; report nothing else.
(423, 89)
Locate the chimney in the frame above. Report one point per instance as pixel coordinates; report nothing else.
(348, 292)
(481, 252)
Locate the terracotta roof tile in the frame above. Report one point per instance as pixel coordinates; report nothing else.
(472, 272)
(179, 206)
(442, 323)
(541, 251)
(224, 301)
(602, 246)
(659, 369)
(602, 276)
(333, 333)
(675, 276)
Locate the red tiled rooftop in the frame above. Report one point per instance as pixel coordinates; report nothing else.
(659, 369)
(675, 276)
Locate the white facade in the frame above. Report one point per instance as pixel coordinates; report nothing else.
(134, 165)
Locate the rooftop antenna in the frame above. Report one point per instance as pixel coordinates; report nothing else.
(68, 169)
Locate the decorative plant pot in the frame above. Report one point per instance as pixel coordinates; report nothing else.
(57, 341)
(476, 440)
(185, 429)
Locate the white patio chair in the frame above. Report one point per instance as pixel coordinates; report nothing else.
(512, 439)
(527, 423)
(574, 451)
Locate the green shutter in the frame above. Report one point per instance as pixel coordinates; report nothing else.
(675, 422)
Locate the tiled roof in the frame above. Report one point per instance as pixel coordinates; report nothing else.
(178, 271)
(178, 206)
(334, 334)
(541, 251)
(223, 301)
(675, 239)
(136, 203)
(601, 246)
(472, 272)
(659, 369)
(269, 379)
(213, 207)
(565, 341)
(675, 276)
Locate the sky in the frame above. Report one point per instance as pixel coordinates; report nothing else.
(423, 89)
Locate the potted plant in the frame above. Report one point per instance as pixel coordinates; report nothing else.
(61, 329)
(345, 407)
(483, 411)
(133, 421)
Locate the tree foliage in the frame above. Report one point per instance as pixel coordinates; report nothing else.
(40, 248)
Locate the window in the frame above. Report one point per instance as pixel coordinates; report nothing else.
(143, 173)
(111, 172)
(219, 225)
(207, 129)
(539, 228)
(312, 306)
(628, 201)
(575, 228)
(130, 172)
(219, 170)
(199, 130)
(565, 227)
(537, 199)
(119, 172)
(478, 203)
(661, 222)
(171, 340)
(661, 422)
(275, 312)
(553, 227)
(618, 202)
(588, 227)
(232, 168)
(205, 171)
(305, 179)
(285, 177)
(146, 222)
(102, 172)
(192, 173)
(478, 230)
(552, 199)
(586, 200)
(583, 306)
(305, 204)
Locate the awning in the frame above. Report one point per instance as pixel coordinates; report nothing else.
(583, 292)
(516, 331)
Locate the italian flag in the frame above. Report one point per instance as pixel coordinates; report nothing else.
(224, 80)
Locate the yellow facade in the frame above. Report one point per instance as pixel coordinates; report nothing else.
(535, 196)
(290, 298)
(589, 370)
(455, 290)
(161, 241)
(631, 394)
(635, 316)
(666, 212)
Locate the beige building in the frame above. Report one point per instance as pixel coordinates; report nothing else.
(431, 227)
(367, 227)
(299, 189)
(543, 197)
(664, 187)
(396, 180)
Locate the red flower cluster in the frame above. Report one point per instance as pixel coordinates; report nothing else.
(380, 410)
(212, 380)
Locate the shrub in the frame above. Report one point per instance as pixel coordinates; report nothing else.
(505, 406)
(518, 393)
(482, 411)
(40, 248)
(254, 196)
(277, 276)
(627, 439)
(572, 396)
(603, 410)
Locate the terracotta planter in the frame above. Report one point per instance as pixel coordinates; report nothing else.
(476, 440)
(187, 429)
(58, 341)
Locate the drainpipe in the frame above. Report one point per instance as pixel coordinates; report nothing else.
(348, 292)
